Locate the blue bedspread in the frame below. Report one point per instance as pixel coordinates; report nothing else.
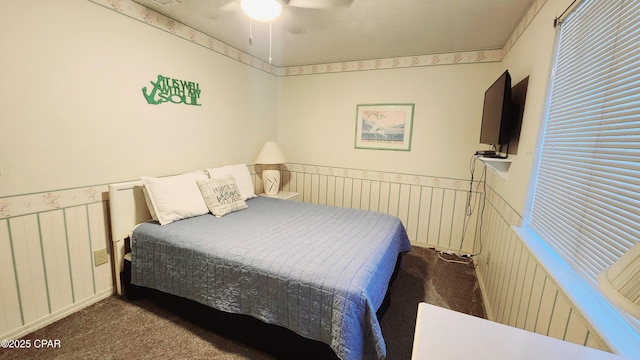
(319, 271)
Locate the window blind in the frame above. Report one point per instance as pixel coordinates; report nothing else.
(586, 201)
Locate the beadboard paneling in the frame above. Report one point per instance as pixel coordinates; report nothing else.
(57, 265)
(516, 288)
(47, 239)
(47, 242)
(10, 307)
(46, 257)
(431, 209)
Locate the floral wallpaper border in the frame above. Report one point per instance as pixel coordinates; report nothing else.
(20, 205)
(509, 214)
(155, 19)
(468, 57)
(26, 204)
(150, 17)
(505, 210)
(524, 23)
(383, 176)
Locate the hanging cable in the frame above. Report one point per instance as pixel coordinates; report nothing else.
(250, 32)
(469, 210)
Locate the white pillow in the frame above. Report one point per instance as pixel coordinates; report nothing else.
(147, 200)
(175, 197)
(221, 195)
(240, 174)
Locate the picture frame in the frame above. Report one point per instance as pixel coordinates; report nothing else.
(384, 126)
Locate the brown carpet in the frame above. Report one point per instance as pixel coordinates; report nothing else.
(169, 328)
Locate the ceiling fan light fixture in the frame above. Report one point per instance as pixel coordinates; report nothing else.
(261, 10)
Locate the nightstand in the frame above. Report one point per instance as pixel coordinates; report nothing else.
(285, 195)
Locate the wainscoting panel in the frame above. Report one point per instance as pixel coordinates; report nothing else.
(433, 210)
(46, 256)
(32, 286)
(56, 259)
(47, 242)
(10, 317)
(100, 234)
(517, 290)
(47, 239)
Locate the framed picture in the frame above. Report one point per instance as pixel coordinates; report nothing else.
(384, 126)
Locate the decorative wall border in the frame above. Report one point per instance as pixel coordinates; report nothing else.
(150, 17)
(455, 58)
(524, 23)
(409, 179)
(509, 214)
(20, 205)
(25, 204)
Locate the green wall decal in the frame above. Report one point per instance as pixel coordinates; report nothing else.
(176, 91)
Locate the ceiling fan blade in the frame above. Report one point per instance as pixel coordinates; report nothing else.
(225, 7)
(298, 20)
(319, 4)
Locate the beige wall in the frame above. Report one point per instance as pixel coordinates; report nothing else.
(73, 118)
(531, 55)
(72, 115)
(317, 117)
(316, 126)
(518, 290)
(72, 111)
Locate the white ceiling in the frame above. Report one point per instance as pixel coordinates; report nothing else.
(363, 30)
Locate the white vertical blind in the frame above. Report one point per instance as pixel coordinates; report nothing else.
(586, 203)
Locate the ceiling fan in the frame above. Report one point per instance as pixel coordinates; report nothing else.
(317, 4)
(267, 10)
(297, 16)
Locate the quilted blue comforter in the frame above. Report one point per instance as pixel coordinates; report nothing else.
(319, 271)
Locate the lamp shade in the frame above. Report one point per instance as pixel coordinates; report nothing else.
(271, 154)
(621, 281)
(261, 10)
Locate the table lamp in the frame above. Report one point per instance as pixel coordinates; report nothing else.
(271, 154)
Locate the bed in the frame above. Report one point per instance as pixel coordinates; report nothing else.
(320, 271)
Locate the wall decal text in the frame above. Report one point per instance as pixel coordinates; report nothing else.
(166, 89)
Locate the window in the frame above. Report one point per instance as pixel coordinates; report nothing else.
(586, 197)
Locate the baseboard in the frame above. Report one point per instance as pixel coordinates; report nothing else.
(53, 317)
(435, 247)
(485, 300)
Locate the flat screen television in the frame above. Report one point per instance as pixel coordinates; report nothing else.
(497, 113)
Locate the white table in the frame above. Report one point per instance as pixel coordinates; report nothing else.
(446, 334)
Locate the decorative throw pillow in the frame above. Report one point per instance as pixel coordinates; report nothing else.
(241, 174)
(176, 197)
(221, 195)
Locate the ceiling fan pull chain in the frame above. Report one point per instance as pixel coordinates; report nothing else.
(270, 36)
(250, 32)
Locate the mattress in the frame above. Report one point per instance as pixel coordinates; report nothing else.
(319, 271)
